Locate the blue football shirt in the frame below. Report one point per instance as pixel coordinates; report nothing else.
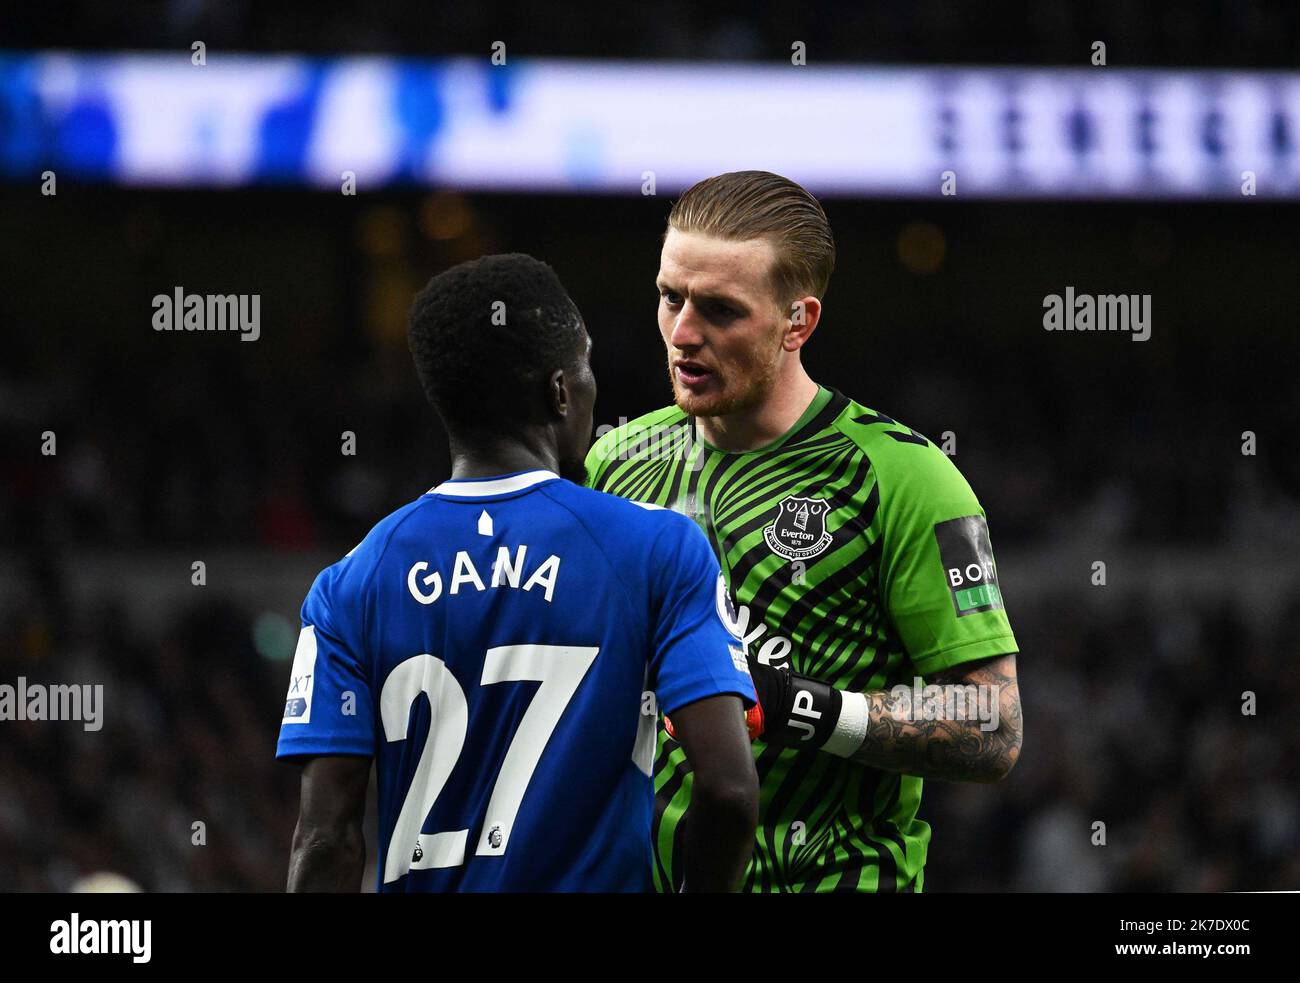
(495, 645)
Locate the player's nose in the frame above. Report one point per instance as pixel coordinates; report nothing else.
(686, 328)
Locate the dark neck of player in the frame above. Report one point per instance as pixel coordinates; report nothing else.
(488, 457)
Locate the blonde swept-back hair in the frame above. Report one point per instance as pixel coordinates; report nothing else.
(761, 205)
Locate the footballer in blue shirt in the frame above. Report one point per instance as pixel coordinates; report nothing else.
(501, 647)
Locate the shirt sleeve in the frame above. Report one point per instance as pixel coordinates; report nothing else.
(695, 652)
(938, 577)
(328, 708)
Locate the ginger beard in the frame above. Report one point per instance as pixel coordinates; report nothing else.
(741, 382)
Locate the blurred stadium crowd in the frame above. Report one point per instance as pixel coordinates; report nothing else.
(1086, 446)
(1158, 32)
(1133, 720)
(934, 316)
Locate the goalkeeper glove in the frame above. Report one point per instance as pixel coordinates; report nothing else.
(798, 711)
(805, 713)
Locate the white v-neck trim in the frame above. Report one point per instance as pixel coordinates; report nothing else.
(485, 487)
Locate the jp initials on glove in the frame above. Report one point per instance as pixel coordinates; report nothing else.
(798, 711)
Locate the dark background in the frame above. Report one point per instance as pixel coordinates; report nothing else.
(1175, 33)
(1082, 447)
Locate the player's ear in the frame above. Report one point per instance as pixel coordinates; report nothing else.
(803, 317)
(557, 388)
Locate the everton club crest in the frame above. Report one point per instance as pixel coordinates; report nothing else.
(799, 530)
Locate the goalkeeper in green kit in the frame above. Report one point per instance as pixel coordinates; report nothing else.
(857, 558)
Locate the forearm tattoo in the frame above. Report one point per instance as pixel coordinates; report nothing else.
(936, 745)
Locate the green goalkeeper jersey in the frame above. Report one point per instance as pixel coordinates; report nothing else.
(854, 552)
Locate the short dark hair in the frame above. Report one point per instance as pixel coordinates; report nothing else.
(762, 205)
(486, 334)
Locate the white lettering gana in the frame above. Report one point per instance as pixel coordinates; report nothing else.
(507, 571)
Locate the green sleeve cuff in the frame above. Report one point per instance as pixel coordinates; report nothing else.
(973, 651)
